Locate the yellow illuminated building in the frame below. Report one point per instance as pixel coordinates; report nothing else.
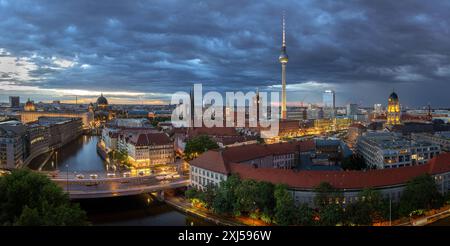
(393, 114)
(29, 106)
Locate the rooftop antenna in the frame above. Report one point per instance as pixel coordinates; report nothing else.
(284, 30)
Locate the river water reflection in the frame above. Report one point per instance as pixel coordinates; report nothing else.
(141, 210)
(77, 156)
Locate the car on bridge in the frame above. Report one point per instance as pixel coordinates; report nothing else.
(93, 176)
(80, 176)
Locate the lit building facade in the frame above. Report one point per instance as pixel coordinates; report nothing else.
(30, 116)
(201, 177)
(12, 142)
(440, 138)
(329, 104)
(297, 113)
(391, 150)
(29, 106)
(393, 110)
(148, 149)
(62, 130)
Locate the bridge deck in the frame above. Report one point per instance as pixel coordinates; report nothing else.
(119, 186)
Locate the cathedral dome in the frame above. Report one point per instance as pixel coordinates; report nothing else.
(102, 100)
(29, 105)
(393, 97)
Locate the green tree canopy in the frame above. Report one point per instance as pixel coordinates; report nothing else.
(198, 145)
(226, 200)
(304, 215)
(284, 206)
(28, 198)
(246, 196)
(331, 214)
(325, 194)
(420, 193)
(265, 200)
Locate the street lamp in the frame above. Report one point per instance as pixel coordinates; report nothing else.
(67, 175)
(390, 210)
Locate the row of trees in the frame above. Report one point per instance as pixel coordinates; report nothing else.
(275, 203)
(31, 199)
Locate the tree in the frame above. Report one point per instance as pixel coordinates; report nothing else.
(28, 198)
(191, 193)
(225, 199)
(420, 193)
(246, 196)
(325, 194)
(304, 215)
(284, 206)
(209, 195)
(265, 200)
(198, 145)
(331, 214)
(369, 208)
(354, 162)
(358, 214)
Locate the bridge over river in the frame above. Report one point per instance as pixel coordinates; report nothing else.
(101, 187)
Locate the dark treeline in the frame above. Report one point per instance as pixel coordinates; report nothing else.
(274, 204)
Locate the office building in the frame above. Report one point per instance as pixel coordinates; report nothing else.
(352, 110)
(440, 138)
(12, 143)
(329, 104)
(14, 101)
(392, 150)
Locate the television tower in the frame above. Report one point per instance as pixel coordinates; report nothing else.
(283, 58)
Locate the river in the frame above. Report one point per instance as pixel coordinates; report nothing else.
(141, 210)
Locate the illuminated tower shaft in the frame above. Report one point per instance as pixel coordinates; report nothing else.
(283, 58)
(283, 92)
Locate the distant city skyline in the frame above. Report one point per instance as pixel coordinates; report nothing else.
(142, 52)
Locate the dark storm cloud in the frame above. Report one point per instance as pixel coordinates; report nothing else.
(165, 46)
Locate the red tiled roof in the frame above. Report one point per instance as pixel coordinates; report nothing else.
(145, 139)
(211, 160)
(234, 139)
(218, 159)
(212, 131)
(342, 179)
(254, 151)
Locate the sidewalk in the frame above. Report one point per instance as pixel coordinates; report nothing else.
(186, 207)
(430, 217)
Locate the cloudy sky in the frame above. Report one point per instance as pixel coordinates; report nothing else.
(142, 51)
